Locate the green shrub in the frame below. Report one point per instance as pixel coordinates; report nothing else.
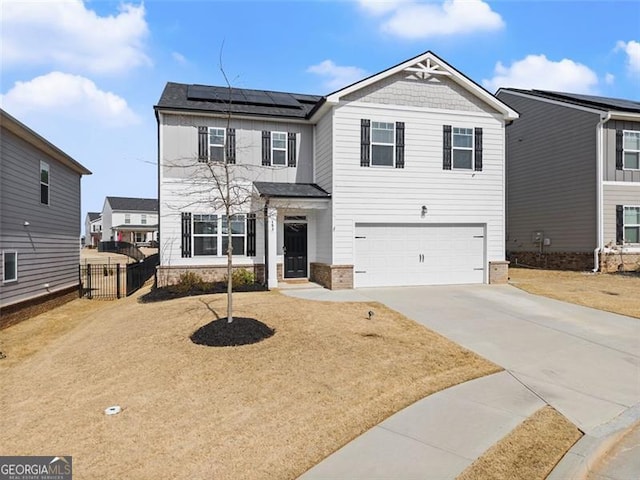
(242, 276)
(189, 281)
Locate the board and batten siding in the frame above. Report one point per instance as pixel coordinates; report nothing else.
(396, 195)
(610, 172)
(551, 176)
(323, 166)
(613, 195)
(180, 147)
(49, 247)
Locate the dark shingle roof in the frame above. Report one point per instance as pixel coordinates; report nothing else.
(180, 96)
(605, 103)
(133, 204)
(290, 190)
(93, 216)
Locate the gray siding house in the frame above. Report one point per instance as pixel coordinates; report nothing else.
(39, 219)
(573, 181)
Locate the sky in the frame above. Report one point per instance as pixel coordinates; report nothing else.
(86, 74)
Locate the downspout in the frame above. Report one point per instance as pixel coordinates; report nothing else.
(266, 242)
(599, 189)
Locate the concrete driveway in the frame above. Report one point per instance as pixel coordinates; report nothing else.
(584, 362)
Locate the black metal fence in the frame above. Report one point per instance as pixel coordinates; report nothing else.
(115, 281)
(124, 248)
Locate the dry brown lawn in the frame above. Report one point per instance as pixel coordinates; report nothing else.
(268, 410)
(529, 452)
(617, 293)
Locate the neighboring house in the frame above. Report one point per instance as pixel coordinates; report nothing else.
(397, 179)
(93, 228)
(39, 220)
(573, 181)
(133, 220)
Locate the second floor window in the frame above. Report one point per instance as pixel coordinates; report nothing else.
(143, 219)
(382, 144)
(631, 150)
(462, 151)
(44, 183)
(216, 144)
(127, 218)
(278, 148)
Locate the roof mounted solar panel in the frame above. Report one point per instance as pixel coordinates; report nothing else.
(202, 92)
(284, 100)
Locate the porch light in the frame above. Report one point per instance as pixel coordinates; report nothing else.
(423, 212)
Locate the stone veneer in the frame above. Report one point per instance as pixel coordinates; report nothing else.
(578, 261)
(171, 275)
(333, 277)
(498, 272)
(619, 262)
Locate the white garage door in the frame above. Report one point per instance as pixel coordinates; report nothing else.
(405, 254)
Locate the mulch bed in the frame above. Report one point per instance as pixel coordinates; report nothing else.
(171, 292)
(241, 331)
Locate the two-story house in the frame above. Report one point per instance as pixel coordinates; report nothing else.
(39, 222)
(397, 179)
(573, 181)
(93, 229)
(133, 220)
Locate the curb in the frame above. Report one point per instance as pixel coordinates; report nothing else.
(593, 447)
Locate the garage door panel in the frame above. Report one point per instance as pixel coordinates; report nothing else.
(401, 254)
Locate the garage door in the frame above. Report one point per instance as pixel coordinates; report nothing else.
(405, 254)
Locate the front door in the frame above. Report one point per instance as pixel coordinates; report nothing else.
(295, 250)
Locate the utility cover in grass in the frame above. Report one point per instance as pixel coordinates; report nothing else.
(242, 331)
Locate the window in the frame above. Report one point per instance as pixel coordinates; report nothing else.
(382, 144)
(278, 148)
(209, 231)
(631, 150)
(127, 218)
(44, 183)
(216, 144)
(140, 237)
(462, 151)
(143, 219)
(10, 269)
(632, 224)
(237, 234)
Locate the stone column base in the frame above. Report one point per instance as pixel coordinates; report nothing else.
(498, 272)
(333, 277)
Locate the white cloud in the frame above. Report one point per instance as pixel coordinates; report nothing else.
(420, 20)
(337, 76)
(536, 71)
(632, 49)
(609, 78)
(179, 58)
(72, 37)
(69, 96)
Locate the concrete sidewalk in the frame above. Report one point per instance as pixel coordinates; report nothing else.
(583, 362)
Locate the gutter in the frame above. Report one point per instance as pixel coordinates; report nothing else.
(599, 189)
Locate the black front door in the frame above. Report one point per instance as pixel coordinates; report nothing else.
(295, 250)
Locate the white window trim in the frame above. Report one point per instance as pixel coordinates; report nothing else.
(273, 149)
(625, 225)
(218, 235)
(472, 149)
(209, 144)
(143, 219)
(48, 184)
(372, 143)
(127, 219)
(4, 253)
(624, 150)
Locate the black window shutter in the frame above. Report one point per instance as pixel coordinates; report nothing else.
(186, 235)
(203, 144)
(251, 235)
(619, 224)
(399, 144)
(365, 142)
(477, 146)
(231, 145)
(266, 147)
(446, 147)
(291, 149)
(619, 149)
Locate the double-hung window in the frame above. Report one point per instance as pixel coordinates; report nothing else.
(10, 266)
(216, 144)
(462, 148)
(238, 231)
(127, 218)
(278, 148)
(143, 219)
(382, 143)
(205, 234)
(632, 224)
(44, 183)
(631, 146)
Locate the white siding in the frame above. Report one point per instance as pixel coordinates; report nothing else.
(390, 195)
